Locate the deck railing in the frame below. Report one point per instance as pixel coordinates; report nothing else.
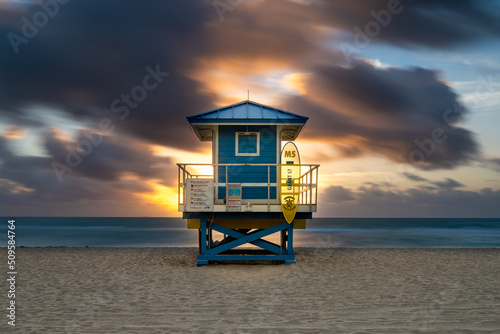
(308, 181)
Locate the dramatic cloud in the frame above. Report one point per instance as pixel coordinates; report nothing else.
(408, 115)
(81, 68)
(108, 158)
(115, 171)
(436, 24)
(144, 67)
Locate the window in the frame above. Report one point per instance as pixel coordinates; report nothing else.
(247, 143)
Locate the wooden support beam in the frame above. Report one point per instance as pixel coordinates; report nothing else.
(247, 239)
(237, 235)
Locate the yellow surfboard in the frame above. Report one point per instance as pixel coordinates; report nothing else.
(289, 176)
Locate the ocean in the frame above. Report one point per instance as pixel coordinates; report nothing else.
(320, 232)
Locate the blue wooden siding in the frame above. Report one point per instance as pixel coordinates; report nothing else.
(227, 139)
(247, 174)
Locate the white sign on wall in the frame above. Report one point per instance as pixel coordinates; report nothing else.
(233, 198)
(200, 195)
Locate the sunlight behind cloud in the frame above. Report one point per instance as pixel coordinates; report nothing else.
(377, 95)
(164, 198)
(14, 132)
(229, 80)
(14, 187)
(296, 82)
(181, 156)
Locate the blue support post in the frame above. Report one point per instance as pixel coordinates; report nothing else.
(290, 245)
(203, 249)
(226, 250)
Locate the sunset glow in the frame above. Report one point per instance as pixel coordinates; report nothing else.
(403, 121)
(164, 198)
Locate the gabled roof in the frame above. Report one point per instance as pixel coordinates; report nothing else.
(247, 112)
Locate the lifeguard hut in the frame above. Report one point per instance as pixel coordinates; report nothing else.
(249, 191)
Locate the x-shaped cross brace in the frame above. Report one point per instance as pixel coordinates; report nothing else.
(252, 238)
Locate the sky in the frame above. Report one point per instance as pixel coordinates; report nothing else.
(403, 100)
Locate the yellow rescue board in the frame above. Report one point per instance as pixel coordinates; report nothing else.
(289, 176)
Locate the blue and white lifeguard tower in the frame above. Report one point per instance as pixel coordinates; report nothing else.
(240, 195)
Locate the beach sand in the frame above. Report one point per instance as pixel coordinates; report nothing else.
(160, 290)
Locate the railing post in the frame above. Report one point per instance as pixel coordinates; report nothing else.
(310, 188)
(216, 180)
(268, 187)
(317, 176)
(178, 185)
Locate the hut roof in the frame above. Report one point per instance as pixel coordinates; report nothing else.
(246, 112)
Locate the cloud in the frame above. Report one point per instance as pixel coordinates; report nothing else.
(493, 163)
(14, 132)
(435, 24)
(113, 174)
(407, 115)
(107, 158)
(348, 150)
(372, 201)
(448, 184)
(414, 177)
(381, 184)
(337, 194)
(81, 69)
(373, 195)
(13, 187)
(93, 53)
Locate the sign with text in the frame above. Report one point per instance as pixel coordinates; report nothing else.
(233, 198)
(200, 195)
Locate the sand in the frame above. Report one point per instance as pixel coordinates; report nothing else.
(160, 290)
